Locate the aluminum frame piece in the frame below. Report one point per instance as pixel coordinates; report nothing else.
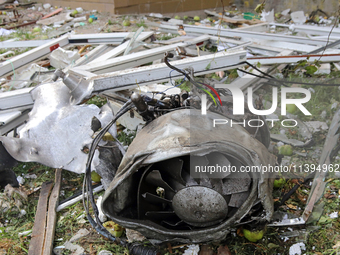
(135, 59)
(190, 29)
(132, 78)
(22, 44)
(104, 38)
(29, 56)
(311, 30)
(177, 134)
(36, 53)
(57, 131)
(294, 59)
(14, 123)
(15, 99)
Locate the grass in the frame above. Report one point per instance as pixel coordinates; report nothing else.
(97, 100)
(165, 37)
(141, 24)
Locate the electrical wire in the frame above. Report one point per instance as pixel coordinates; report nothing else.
(174, 86)
(269, 77)
(171, 78)
(134, 248)
(87, 184)
(167, 55)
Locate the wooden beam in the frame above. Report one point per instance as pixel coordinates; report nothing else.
(38, 233)
(52, 214)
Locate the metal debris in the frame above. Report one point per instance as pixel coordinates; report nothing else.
(43, 137)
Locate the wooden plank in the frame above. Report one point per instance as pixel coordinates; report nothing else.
(52, 214)
(319, 182)
(38, 233)
(53, 13)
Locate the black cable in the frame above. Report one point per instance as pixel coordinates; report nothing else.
(87, 185)
(259, 76)
(282, 82)
(134, 248)
(290, 82)
(169, 55)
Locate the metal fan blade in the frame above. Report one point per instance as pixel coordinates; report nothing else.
(174, 184)
(160, 215)
(173, 168)
(154, 199)
(217, 159)
(217, 185)
(142, 205)
(236, 183)
(205, 181)
(155, 178)
(196, 161)
(199, 161)
(238, 199)
(188, 179)
(235, 163)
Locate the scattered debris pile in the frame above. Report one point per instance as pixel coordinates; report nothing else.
(63, 103)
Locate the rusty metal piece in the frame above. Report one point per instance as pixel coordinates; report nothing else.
(52, 13)
(22, 25)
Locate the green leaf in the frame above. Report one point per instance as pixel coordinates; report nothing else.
(311, 69)
(260, 7)
(302, 62)
(272, 245)
(324, 220)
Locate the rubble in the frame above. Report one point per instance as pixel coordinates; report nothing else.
(297, 248)
(134, 236)
(316, 126)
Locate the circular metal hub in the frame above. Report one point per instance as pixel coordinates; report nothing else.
(200, 206)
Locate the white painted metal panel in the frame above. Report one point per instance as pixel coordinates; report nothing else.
(244, 34)
(131, 78)
(29, 56)
(16, 98)
(136, 59)
(7, 117)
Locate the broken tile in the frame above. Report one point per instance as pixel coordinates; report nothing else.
(298, 17)
(81, 233)
(104, 252)
(134, 236)
(64, 17)
(325, 68)
(316, 126)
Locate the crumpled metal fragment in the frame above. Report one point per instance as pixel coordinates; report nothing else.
(57, 132)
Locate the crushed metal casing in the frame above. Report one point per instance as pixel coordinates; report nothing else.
(173, 136)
